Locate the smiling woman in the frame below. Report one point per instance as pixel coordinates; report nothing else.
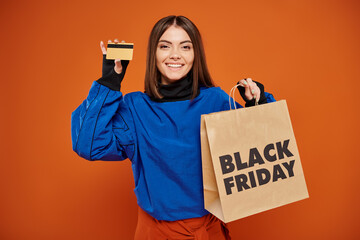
(159, 130)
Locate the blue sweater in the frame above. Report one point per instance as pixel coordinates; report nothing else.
(162, 140)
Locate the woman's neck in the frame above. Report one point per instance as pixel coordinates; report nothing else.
(177, 91)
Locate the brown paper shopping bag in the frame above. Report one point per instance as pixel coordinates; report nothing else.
(250, 161)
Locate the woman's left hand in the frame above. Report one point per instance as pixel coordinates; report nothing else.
(252, 91)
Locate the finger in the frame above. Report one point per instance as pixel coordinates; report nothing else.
(250, 82)
(102, 46)
(256, 94)
(116, 40)
(242, 83)
(118, 66)
(254, 90)
(252, 85)
(109, 41)
(258, 97)
(249, 93)
(245, 83)
(123, 41)
(118, 63)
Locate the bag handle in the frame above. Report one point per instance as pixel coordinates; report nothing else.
(232, 95)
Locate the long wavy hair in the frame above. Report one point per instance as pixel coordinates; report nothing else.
(199, 71)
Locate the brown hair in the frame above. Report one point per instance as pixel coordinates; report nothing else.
(200, 72)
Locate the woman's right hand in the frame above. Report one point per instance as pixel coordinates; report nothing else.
(113, 72)
(117, 62)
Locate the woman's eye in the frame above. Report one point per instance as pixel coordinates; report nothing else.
(163, 46)
(187, 47)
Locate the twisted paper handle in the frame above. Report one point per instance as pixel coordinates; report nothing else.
(232, 95)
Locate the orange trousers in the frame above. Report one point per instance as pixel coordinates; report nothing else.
(207, 227)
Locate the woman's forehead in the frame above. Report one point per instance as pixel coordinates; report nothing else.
(175, 34)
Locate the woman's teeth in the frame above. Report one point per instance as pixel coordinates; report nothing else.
(174, 65)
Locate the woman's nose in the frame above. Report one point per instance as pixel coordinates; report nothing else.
(175, 54)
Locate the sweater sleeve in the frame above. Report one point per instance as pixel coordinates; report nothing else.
(101, 127)
(269, 97)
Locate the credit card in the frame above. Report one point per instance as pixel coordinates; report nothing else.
(123, 51)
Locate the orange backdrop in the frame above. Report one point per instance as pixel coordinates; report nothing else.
(306, 52)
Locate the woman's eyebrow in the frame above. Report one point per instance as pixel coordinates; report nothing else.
(166, 41)
(186, 41)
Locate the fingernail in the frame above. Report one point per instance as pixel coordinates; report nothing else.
(244, 82)
(252, 91)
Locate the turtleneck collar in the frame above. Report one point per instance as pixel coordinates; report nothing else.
(177, 91)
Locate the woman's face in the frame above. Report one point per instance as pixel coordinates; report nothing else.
(174, 54)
